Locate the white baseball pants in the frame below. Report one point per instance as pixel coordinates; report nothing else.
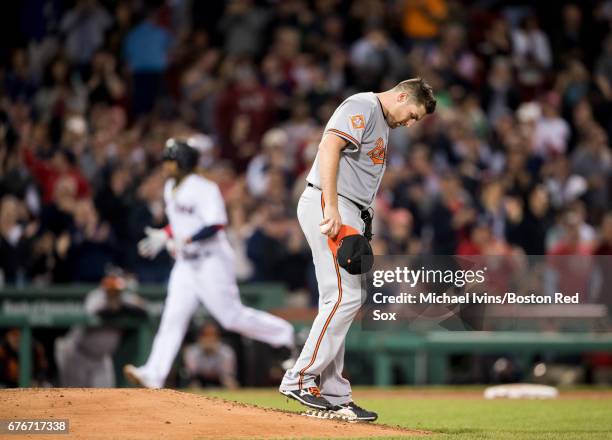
(211, 281)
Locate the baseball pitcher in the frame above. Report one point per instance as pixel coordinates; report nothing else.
(342, 185)
(203, 271)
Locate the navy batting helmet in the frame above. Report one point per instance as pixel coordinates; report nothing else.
(184, 154)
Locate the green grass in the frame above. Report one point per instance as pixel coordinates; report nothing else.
(458, 418)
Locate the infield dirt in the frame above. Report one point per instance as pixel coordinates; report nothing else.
(155, 414)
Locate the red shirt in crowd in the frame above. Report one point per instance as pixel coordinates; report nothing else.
(48, 175)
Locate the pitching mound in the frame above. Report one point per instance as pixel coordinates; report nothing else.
(154, 414)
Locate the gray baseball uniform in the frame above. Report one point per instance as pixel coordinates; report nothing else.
(360, 121)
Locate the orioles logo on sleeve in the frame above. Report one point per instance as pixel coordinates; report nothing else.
(358, 121)
(378, 153)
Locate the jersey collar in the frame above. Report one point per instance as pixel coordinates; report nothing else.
(382, 110)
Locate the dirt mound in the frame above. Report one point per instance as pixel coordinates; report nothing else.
(155, 414)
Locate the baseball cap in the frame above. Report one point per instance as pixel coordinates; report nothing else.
(352, 250)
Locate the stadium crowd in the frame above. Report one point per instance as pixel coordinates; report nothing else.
(516, 158)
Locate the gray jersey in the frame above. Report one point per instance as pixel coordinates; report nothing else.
(360, 121)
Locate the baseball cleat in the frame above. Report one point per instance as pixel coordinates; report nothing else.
(310, 397)
(355, 412)
(135, 377)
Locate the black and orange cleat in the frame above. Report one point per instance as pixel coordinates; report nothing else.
(354, 412)
(310, 397)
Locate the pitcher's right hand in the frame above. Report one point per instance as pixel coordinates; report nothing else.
(332, 221)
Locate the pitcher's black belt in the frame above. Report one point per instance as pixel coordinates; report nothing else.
(361, 207)
(366, 215)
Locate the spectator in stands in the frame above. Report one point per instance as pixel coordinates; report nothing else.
(272, 157)
(146, 50)
(239, 230)
(242, 26)
(500, 96)
(104, 84)
(399, 236)
(299, 128)
(114, 204)
(92, 244)
(43, 259)
(15, 240)
(563, 186)
(15, 178)
(569, 264)
(493, 209)
(277, 248)
(209, 361)
(573, 83)
(57, 217)
(416, 190)
(48, 173)
(244, 113)
(529, 220)
(450, 214)
(497, 42)
(551, 131)
(198, 88)
(84, 27)
(482, 241)
(453, 58)
(576, 212)
(572, 242)
(57, 96)
(532, 54)
(19, 83)
(520, 167)
(570, 38)
(374, 58)
(592, 160)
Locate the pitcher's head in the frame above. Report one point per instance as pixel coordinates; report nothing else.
(409, 102)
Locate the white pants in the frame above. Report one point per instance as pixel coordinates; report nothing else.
(211, 281)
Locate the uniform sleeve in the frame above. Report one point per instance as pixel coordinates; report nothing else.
(349, 122)
(168, 185)
(212, 206)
